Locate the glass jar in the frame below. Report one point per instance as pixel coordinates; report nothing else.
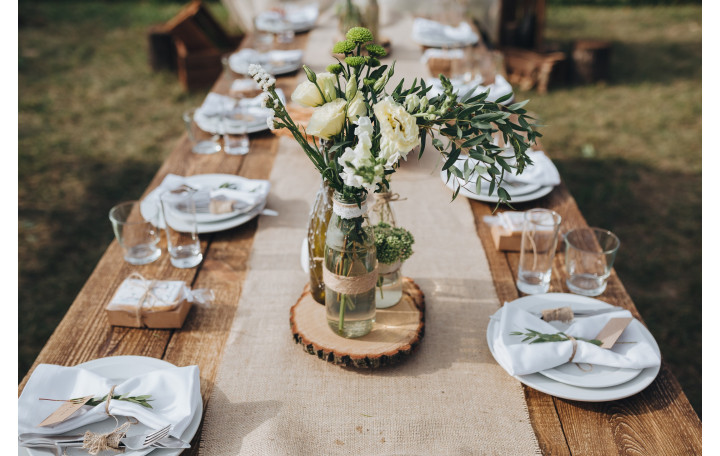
(349, 272)
(382, 210)
(388, 291)
(317, 228)
(358, 13)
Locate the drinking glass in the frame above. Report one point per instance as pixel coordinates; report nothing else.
(589, 257)
(178, 207)
(136, 232)
(537, 250)
(202, 142)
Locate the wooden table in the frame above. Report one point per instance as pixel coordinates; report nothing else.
(657, 421)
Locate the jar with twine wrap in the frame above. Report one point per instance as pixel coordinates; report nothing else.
(382, 210)
(320, 214)
(350, 269)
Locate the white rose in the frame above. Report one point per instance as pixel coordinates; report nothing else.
(328, 119)
(357, 107)
(397, 127)
(307, 94)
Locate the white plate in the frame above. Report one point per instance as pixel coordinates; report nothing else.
(274, 69)
(598, 375)
(226, 224)
(212, 125)
(518, 195)
(120, 368)
(213, 181)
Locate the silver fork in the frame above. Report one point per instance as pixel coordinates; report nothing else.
(139, 442)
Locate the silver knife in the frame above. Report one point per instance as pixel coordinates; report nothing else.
(53, 441)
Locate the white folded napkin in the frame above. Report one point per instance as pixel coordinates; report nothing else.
(175, 397)
(522, 358)
(541, 172)
(250, 191)
(497, 88)
(240, 61)
(428, 31)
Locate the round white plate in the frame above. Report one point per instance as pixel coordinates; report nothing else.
(120, 368)
(598, 375)
(274, 69)
(213, 181)
(226, 224)
(264, 25)
(518, 195)
(212, 124)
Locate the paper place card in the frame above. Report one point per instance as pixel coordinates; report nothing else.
(65, 411)
(612, 331)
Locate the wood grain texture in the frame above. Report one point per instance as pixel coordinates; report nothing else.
(397, 331)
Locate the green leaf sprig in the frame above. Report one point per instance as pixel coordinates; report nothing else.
(536, 337)
(140, 400)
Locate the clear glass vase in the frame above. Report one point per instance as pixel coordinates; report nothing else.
(349, 272)
(382, 210)
(388, 291)
(317, 229)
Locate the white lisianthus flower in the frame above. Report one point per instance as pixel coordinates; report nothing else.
(360, 168)
(307, 94)
(357, 108)
(412, 102)
(389, 153)
(328, 119)
(398, 128)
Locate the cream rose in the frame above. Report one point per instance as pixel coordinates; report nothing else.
(328, 119)
(356, 108)
(307, 94)
(398, 128)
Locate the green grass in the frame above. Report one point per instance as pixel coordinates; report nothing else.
(95, 123)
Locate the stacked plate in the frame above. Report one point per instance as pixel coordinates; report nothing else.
(275, 62)
(254, 190)
(295, 18)
(594, 383)
(252, 116)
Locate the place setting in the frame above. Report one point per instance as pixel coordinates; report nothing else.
(131, 404)
(537, 179)
(288, 16)
(276, 61)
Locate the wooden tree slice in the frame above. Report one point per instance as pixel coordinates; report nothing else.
(396, 333)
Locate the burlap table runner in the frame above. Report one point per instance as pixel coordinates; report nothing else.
(450, 397)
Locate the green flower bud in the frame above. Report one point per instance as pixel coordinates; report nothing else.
(359, 35)
(344, 47)
(423, 103)
(351, 88)
(369, 81)
(411, 103)
(355, 61)
(375, 50)
(380, 84)
(310, 74)
(334, 68)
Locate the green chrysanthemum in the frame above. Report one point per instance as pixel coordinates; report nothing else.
(344, 47)
(355, 61)
(373, 62)
(334, 68)
(359, 35)
(376, 50)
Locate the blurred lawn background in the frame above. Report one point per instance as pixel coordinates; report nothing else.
(95, 123)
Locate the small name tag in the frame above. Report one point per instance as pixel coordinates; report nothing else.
(65, 411)
(612, 331)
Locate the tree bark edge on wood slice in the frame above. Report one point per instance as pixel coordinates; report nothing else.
(395, 336)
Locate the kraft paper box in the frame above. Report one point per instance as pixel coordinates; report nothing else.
(164, 306)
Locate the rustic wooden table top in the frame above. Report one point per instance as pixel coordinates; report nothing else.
(656, 421)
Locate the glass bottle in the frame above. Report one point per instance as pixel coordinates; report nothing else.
(317, 228)
(350, 271)
(382, 210)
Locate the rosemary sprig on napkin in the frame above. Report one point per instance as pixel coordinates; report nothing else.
(140, 400)
(536, 337)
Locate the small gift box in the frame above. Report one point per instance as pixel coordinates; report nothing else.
(139, 303)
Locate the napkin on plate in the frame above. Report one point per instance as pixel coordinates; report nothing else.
(428, 31)
(175, 396)
(541, 172)
(240, 61)
(497, 88)
(250, 191)
(523, 358)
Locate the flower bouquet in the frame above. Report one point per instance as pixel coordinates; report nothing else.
(357, 134)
